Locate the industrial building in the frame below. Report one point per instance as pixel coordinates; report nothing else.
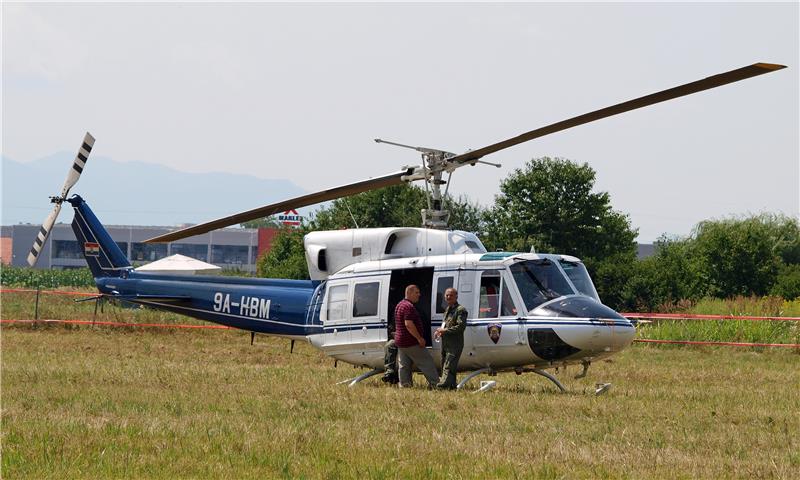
(232, 248)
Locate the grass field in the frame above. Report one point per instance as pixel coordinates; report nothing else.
(99, 402)
(103, 403)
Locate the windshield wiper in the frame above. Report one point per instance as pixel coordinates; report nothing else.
(546, 292)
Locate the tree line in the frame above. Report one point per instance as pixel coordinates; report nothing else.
(549, 206)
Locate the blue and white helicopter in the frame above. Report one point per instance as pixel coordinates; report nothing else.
(529, 311)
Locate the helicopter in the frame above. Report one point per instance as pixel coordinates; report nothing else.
(529, 312)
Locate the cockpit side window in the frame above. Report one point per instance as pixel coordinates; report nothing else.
(507, 307)
(490, 294)
(495, 297)
(579, 277)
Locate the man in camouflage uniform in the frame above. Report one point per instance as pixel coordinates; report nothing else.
(390, 357)
(452, 335)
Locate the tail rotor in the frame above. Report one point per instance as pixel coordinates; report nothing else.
(72, 178)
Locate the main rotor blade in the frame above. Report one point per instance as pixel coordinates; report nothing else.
(78, 165)
(271, 209)
(658, 97)
(41, 237)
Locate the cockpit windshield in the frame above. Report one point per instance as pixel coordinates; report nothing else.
(579, 277)
(540, 281)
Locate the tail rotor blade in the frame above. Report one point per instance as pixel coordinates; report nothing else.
(41, 237)
(78, 165)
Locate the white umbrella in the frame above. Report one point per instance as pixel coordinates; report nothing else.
(179, 264)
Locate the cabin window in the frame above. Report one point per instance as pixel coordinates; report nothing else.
(365, 299)
(495, 299)
(443, 284)
(337, 302)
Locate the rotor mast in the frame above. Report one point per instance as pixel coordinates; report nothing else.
(434, 164)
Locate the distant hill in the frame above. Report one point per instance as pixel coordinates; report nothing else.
(133, 193)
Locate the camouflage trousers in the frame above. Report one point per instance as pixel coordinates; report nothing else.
(450, 356)
(390, 363)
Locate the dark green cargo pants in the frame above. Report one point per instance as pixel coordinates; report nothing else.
(451, 353)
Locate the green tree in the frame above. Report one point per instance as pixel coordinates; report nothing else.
(286, 257)
(549, 205)
(395, 206)
(787, 285)
(739, 256)
(721, 258)
(671, 274)
(265, 222)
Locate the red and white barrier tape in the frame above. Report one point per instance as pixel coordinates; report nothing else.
(727, 344)
(121, 324)
(669, 316)
(46, 292)
(223, 327)
(689, 316)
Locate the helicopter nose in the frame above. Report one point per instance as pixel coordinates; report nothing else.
(610, 331)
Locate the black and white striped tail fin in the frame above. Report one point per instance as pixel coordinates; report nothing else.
(73, 176)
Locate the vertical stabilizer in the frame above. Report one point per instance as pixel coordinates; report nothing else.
(101, 252)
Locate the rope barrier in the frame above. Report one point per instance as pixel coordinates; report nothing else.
(121, 324)
(666, 316)
(46, 292)
(689, 316)
(730, 344)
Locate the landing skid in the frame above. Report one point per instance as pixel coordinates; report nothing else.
(600, 387)
(534, 370)
(471, 376)
(548, 376)
(352, 381)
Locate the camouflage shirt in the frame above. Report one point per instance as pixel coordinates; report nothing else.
(455, 321)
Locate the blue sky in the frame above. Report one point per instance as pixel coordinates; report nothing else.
(299, 92)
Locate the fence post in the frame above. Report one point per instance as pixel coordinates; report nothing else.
(36, 309)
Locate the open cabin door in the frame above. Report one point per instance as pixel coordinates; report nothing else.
(421, 277)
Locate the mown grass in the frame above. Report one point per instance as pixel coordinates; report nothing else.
(152, 403)
(97, 402)
(51, 305)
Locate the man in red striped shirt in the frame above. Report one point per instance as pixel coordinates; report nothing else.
(410, 342)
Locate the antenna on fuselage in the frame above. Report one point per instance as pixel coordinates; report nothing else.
(344, 199)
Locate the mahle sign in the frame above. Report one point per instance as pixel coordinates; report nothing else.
(290, 218)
